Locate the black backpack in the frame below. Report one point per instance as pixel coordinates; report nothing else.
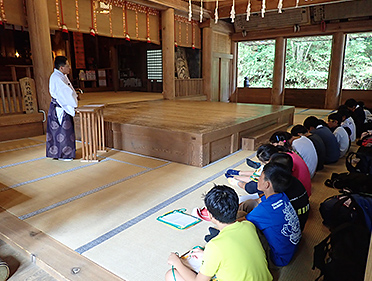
(354, 182)
(360, 161)
(340, 209)
(342, 255)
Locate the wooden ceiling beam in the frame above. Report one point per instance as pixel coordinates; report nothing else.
(306, 30)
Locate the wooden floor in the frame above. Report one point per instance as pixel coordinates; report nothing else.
(105, 213)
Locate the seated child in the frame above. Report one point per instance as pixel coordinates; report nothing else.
(347, 121)
(248, 179)
(301, 145)
(315, 127)
(295, 191)
(234, 254)
(275, 216)
(301, 131)
(300, 170)
(334, 123)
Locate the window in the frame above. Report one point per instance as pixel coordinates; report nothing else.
(307, 62)
(256, 61)
(358, 62)
(154, 65)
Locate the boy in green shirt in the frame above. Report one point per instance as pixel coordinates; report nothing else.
(235, 253)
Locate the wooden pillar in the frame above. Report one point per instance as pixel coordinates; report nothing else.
(115, 67)
(277, 92)
(234, 67)
(334, 87)
(38, 25)
(167, 23)
(207, 56)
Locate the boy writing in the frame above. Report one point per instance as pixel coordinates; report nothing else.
(234, 254)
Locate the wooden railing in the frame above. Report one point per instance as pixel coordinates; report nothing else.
(19, 116)
(189, 87)
(11, 98)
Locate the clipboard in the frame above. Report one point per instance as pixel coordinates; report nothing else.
(178, 219)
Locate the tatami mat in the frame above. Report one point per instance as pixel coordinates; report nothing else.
(107, 211)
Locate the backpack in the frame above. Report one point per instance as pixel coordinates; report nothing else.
(339, 209)
(353, 182)
(360, 161)
(342, 255)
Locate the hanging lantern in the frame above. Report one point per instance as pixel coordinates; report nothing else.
(280, 6)
(263, 8)
(201, 11)
(64, 32)
(248, 10)
(64, 28)
(216, 13)
(92, 32)
(232, 13)
(190, 11)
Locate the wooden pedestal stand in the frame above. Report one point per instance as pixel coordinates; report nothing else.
(92, 131)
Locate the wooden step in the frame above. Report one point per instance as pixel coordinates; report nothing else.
(257, 138)
(50, 255)
(18, 125)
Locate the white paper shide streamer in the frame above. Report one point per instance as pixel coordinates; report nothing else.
(248, 10)
(216, 13)
(297, 1)
(263, 8)
(232, 13)
(280, 6)
(201, 11)
(190, 11)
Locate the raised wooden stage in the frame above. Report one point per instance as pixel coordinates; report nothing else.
(190, 132)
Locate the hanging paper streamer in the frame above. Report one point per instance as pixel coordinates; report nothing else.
(216, 13)
(94, 15)
(248, 10)
(77, 14)
(110, 20)
(297, 1)
(148, 27)
(193, 34)
(280, 6)
(232, 13)
(263, 8)
(125, 18)
(201, 11)
(175, 34)
(2, 11)
(58, 16)
(190, 11)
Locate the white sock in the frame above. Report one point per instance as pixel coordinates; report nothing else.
(234, 182)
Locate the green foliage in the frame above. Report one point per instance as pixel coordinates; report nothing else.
(358, 62)
(256, 61)
(307, 62)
